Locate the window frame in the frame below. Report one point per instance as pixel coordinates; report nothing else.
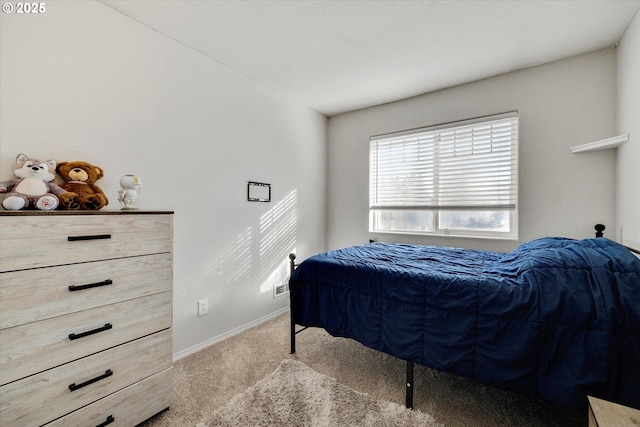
(436, 189)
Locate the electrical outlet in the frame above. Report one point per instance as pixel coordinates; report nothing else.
(203, 307)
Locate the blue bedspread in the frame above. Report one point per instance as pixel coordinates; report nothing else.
(555, 319)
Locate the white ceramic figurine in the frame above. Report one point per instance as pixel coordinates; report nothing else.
(129, 193)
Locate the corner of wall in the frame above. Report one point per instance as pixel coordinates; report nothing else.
(628, 155)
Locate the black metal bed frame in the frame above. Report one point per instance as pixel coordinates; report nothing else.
(294, 332)
(410, 365)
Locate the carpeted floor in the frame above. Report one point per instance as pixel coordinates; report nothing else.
(208, 379)
(296, 395)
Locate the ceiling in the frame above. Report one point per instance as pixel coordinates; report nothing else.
(339, 56)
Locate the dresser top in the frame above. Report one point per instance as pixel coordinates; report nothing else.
(36, 212)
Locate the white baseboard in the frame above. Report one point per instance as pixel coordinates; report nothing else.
(193, 349)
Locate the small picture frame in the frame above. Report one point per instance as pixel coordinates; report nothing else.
(258, 192)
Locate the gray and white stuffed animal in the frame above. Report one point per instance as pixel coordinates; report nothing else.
(33, 187)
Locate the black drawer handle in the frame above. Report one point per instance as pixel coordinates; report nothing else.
(91, 332)
(109, 420)
(74, 387)
(90, 237)
(73, 288)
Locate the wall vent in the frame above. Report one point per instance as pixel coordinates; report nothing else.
(281, 289)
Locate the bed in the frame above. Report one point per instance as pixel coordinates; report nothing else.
(556, 319)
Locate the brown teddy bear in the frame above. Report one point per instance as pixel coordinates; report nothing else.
(80, 178)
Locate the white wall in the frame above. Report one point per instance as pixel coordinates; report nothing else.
(628, 177)
(83, 82)
(561, 104)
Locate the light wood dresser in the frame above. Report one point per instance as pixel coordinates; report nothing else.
(85, 317)
(608, 414)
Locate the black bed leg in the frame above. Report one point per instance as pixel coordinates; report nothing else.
(292, 266)
(409, 398)
(293, 332)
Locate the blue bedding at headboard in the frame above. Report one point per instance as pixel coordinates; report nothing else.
(556, 318)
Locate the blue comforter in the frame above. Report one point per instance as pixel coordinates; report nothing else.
(555, 319)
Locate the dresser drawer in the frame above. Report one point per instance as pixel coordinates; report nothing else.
(46, 396)
(93, 284)
(34, 347)
(127, 407)
(41, 241)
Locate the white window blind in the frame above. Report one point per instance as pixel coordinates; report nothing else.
(469, 165)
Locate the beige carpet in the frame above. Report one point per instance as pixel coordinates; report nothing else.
(296, 395)
(208, 379)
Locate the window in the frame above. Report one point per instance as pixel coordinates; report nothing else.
(458, 179)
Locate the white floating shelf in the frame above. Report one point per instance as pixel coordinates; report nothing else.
(603, 144)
